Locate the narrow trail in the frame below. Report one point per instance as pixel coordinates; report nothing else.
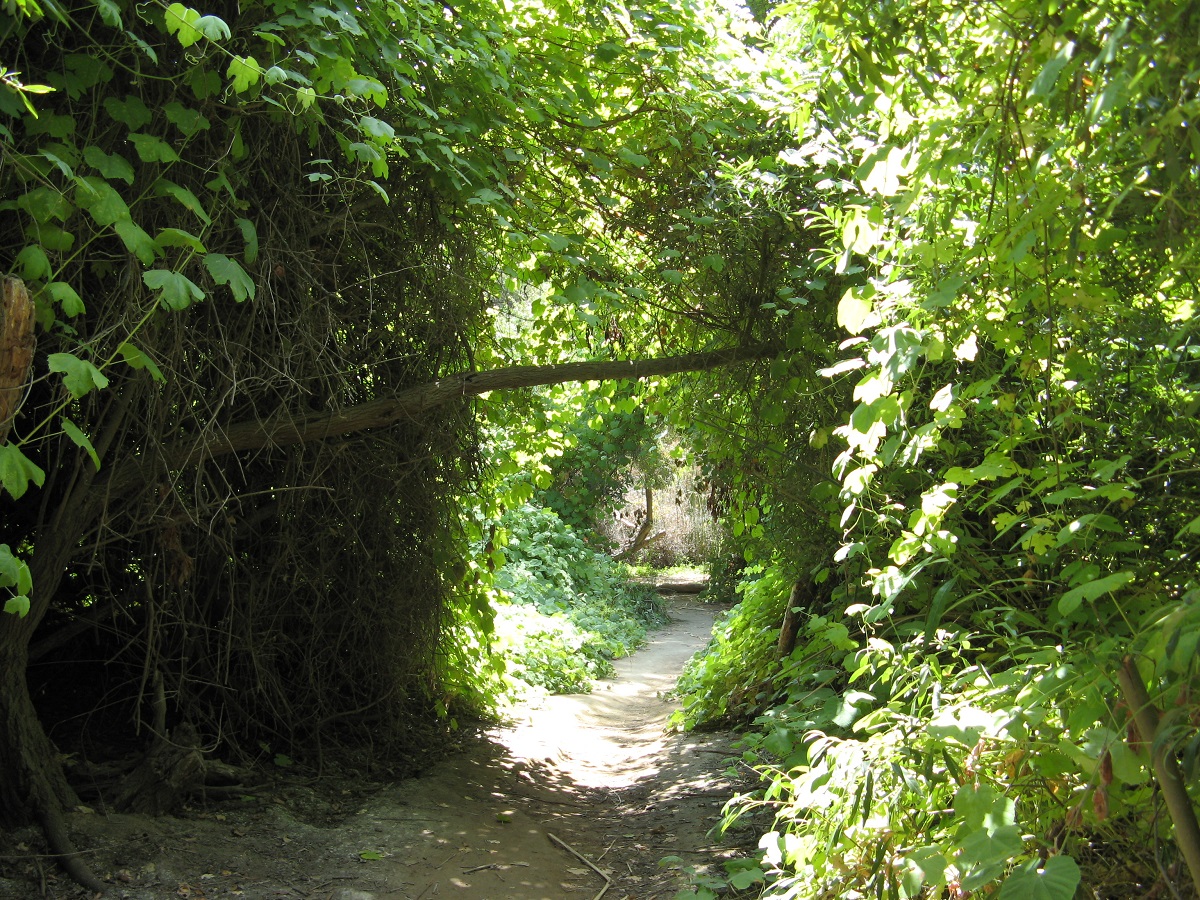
(595, 771)
(582, 795)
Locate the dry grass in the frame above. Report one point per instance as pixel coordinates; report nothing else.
(689, 535)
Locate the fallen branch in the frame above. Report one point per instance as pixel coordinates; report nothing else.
(493, 866)
(587, 862)
(408, 405)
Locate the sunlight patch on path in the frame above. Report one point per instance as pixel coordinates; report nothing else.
(614, 737)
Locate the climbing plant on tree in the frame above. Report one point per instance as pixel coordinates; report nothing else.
(205, 211)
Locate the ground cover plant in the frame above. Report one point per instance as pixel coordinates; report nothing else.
(563, 610)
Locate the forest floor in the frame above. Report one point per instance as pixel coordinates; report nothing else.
(583, 795)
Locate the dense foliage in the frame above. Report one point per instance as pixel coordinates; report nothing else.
(1012, 194)
(970, 230)
(613, 439)
(244, 228)
(564, 610)
(219, 231)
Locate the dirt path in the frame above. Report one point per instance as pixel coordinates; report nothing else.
(594, 774)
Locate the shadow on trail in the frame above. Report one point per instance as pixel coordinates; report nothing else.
(584, 794)
(597, 772)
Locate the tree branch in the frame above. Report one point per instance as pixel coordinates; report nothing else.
(411, 404)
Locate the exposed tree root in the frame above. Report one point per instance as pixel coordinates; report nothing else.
(54, 824)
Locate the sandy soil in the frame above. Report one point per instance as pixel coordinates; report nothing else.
(581, 796)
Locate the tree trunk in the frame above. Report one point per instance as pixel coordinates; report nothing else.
(32, 781)
(642, 538)
(170, 773)
(1166, 767)
(33, 784)
(16, 349)
(799, 599)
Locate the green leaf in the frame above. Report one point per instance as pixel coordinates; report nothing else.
(370, 855)
(153, 149)
(881, 172)
(205, 83)
(110, 165)
(1056, 880)
(51, 237)
(244, 72)
(379, 189)
(250, 236)
(184, 196)
(80, 377)
(225, 271)
(18, 605)
(1112, 94)
(131, 111)
(368, 87)
(854, 311)
(1128, 767)
(213, 28)
(61, 127)
(75, 433)
(988, 846)
(486, 196)
(102, 202)
(1071, 600)
(110, 13)
(742, 879)
(66, 297)
(862, 230)
(181, 21)
(556, 243)
(966, 725)
(136, 358)
(87, 70)
(15, 571)
(177, 237)
(924, 866)
(975, 805)
(58, 161)
(137, 242)
(1044, 84)
(33, 264)
(17, 470)
(634, 159)
(176, 290)
(44, 204)
(377, 128)
(189, 121)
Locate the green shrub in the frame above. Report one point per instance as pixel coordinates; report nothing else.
(721, 683)
(898, 761)
(563, 610)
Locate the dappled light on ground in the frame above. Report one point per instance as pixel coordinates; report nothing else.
(615, 736)
(582, 791)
